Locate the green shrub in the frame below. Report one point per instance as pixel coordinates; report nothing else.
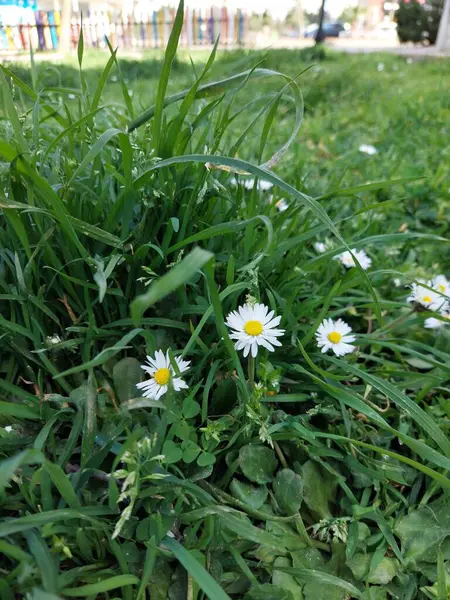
(418, 22)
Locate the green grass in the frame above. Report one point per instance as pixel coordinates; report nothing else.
(295, 476)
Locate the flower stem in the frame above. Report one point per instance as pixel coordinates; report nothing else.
(251, 372)
(280, 455)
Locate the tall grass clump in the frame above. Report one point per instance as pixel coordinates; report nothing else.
(242, 461)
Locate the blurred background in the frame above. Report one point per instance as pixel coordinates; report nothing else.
(133, 25)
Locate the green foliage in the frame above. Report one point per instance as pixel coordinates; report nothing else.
(418, 21)
(257, 463)
(128, 225)
(288, 490)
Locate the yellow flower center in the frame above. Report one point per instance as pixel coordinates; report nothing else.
(162, 376)
(441, 287)
(335, 337)
(253, 327)
(427, 299)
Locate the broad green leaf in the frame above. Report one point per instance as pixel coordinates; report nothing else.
(322, 578)
(172, 452)
(191, 408)
(285, 580)
(257, 463)
(126, 374)
(317, 491)
(190, 451)
(254, 496)
(288, 490)
(423, 530)
(383, 574)
(205, 459)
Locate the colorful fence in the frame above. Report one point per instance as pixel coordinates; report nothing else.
(200, 28)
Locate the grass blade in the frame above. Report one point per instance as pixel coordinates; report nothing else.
(169, 282)
(406, 404)
(195, 570)
(93, 589)
(169, 55)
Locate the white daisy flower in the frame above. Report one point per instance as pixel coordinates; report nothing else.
(348, 261)
(161, 371)
(335, 335)
(433, 323)
(441, 284)
(425, 296)
(253, 326)
(8, 428)
(320, 247)
(368, 149)
(263, 186)
(282, 205)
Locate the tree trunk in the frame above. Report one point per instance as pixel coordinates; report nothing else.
(443, 37)
(66, 18)
(320, 35)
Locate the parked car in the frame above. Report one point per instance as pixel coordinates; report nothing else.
(330, 29)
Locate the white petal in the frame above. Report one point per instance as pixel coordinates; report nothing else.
(268, 317)
(261, 312)
(274, 332)
(263, 342)
(162, 389)
(179, 384)
(183, 365)
(142, 385)
(151, 361)
(236, 335)
(235, 321)
(244, 312)
(273, 323)
(160, 360)
(240, 344)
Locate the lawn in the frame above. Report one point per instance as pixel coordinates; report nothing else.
(301, 454)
